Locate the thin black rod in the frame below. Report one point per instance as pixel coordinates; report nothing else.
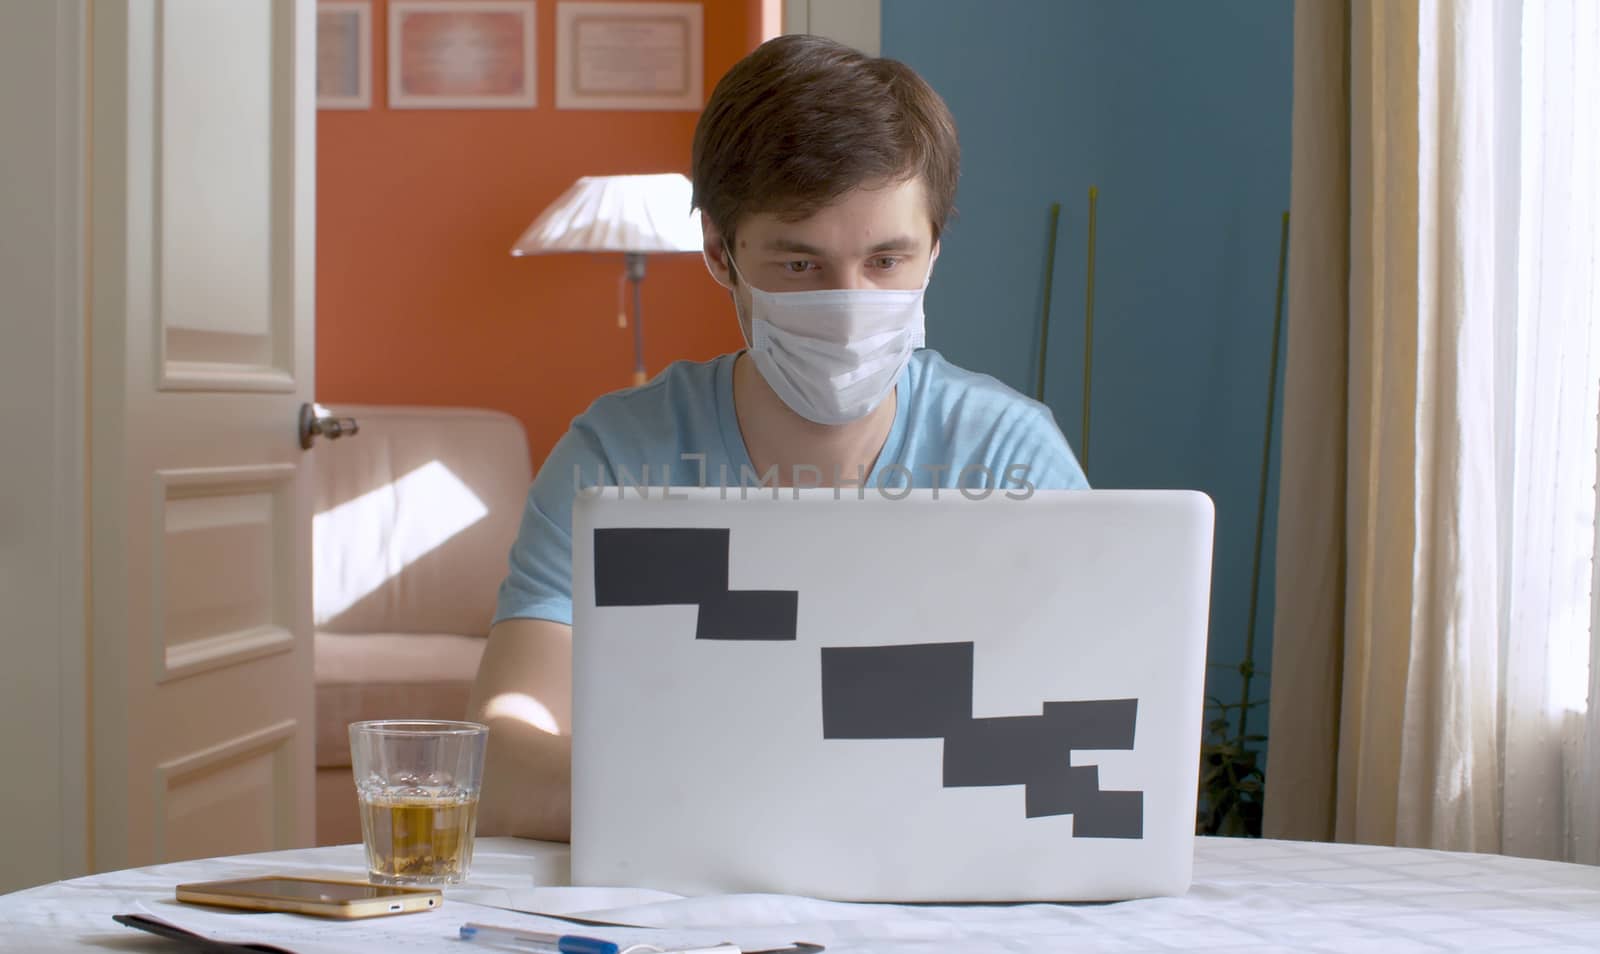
(1049, 281)
(1261, 493)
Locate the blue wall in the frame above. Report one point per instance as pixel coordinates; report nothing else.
(1179, 112)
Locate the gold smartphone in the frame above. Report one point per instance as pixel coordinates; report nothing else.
(315, 896)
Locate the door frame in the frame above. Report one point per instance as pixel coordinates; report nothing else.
(858, 23)
(48, 626)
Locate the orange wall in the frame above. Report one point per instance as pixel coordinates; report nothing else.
(418, 298)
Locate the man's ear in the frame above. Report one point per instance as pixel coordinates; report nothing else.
(715, 254)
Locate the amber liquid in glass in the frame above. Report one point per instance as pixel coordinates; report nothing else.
(419, 839)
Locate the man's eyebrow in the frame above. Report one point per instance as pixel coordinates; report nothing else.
(789, 245)
(897, 243)
(900, 243)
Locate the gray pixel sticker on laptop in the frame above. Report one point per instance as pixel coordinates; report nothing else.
(925, 692)
(680, 566)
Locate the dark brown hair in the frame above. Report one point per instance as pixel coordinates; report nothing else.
(803, 120)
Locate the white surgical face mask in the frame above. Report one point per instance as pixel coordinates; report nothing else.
(834, 354)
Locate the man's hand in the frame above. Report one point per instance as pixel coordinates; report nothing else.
(523, 693)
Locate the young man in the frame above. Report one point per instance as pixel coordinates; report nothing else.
(824, 179)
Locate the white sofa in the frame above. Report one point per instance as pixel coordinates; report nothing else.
(415, 517)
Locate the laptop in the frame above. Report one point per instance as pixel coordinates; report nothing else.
(922, 697)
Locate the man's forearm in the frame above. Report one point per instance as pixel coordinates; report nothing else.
(527, 783)
(523, 693)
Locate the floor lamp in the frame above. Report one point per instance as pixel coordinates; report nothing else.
(636, 215)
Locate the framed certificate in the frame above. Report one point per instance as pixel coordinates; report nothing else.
(648, 56)
(344, 54)
(462, 54)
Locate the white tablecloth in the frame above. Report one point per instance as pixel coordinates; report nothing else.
(1247, 895)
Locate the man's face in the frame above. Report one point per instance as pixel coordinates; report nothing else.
(877, 237)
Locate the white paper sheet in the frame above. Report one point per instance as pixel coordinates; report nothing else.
(438, 930)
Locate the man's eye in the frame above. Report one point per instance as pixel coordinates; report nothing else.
(797, 266)
(886, 263)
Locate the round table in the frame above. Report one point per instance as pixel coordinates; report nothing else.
(1256, 895)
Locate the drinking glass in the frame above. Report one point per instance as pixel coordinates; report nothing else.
(418, 785)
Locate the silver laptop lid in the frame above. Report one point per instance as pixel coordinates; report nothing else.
(860, 697)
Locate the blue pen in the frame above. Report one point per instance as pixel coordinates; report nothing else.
(535, 941)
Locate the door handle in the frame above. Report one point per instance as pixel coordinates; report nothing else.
(313, 426)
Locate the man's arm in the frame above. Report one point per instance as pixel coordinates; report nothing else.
(523, 693)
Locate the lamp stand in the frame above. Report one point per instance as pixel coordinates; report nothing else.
(634, 262)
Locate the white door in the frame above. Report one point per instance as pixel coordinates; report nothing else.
(202, 158)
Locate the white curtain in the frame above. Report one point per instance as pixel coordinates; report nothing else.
(1431, 677)
(1551, 712)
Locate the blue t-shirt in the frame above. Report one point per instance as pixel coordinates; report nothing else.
(953, 429)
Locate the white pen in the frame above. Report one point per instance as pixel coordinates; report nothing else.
(573, 944)
(537, 941)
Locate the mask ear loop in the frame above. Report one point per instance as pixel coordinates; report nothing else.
(733, 268)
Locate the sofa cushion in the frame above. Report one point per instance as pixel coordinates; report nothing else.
(338, 811)
(415, 517)
(388, 676)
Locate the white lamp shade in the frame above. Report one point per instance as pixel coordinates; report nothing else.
(642, 213)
